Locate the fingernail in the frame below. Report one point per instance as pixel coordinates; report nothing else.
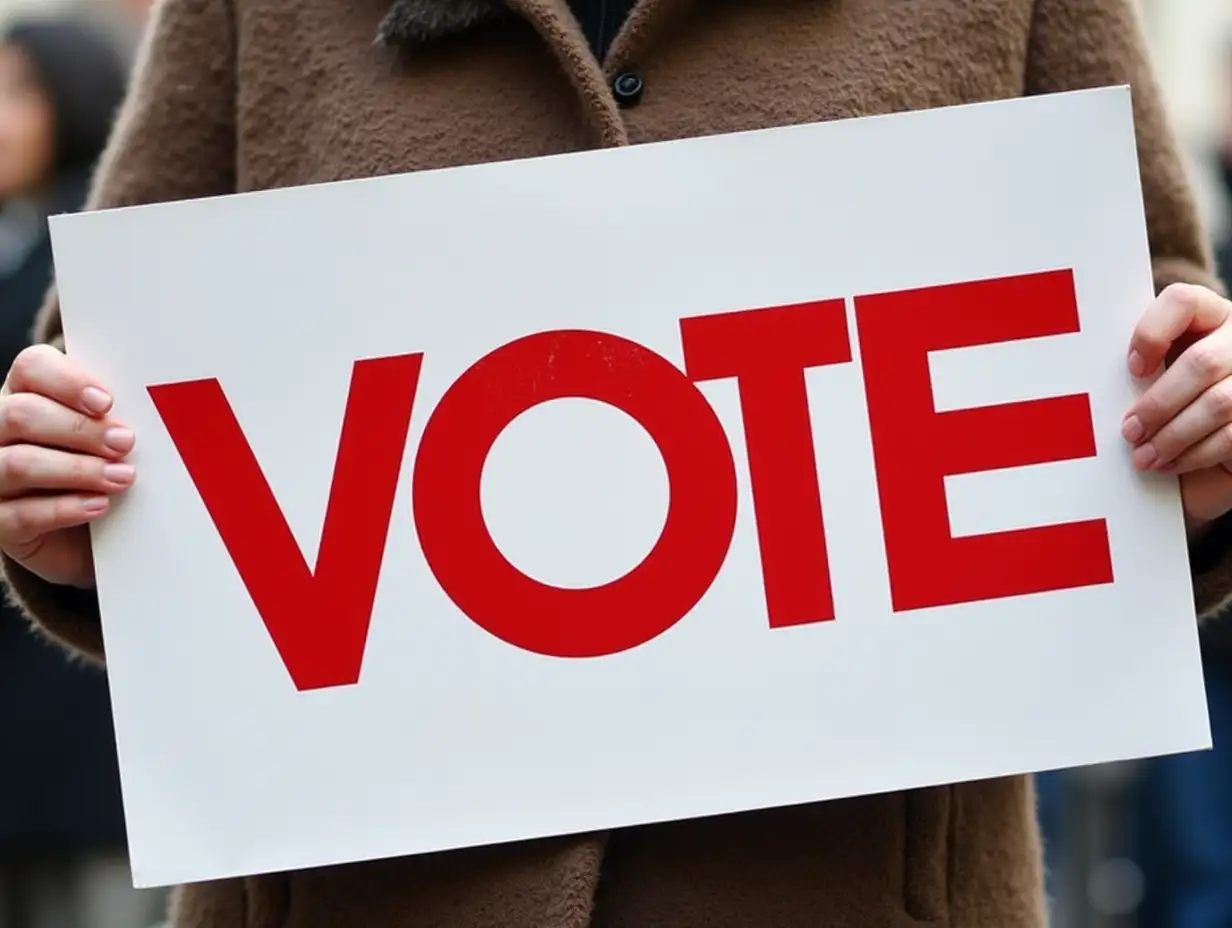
(119, 473)
(119, 439)
(94, 505)
(95, 400)
(1137, 364)
(1132, 429)
(1145, 457)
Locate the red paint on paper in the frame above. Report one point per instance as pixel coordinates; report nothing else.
(768, 351)
(317, 617)
(916, 447)
(519, 609)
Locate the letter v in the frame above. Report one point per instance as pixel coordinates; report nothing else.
(318, 619)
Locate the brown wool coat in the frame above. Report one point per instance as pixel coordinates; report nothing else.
(235, 95)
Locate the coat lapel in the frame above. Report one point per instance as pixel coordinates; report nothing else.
(559, 29)
(411, 23)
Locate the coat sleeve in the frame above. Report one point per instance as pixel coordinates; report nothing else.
(174, 139)
(1079, 44)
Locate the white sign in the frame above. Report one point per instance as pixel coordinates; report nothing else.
(666, 481)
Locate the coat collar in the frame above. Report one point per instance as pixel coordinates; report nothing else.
(411, 23)
(415, 22)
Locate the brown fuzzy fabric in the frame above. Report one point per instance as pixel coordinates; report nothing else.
(68, 615)
(235, 95)
(412, 22)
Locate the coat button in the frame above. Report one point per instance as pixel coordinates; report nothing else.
(627, 88)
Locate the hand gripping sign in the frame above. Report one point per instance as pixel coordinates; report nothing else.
(318, 620)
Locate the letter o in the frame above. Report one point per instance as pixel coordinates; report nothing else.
(522, 611)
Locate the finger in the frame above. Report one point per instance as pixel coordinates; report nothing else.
(25, 520)
(43, 370)
(26, 469)
(1180, 308)
(1210, 451)
(28, 418)
(1200, 368)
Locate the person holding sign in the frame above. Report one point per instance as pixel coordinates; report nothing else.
(241, 95)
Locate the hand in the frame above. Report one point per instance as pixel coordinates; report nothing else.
(61, 461)
(1183, 423)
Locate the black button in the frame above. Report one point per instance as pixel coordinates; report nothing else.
(628, 87)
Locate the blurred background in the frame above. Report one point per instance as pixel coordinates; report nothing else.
(1138, 845)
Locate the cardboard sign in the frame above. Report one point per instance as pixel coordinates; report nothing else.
(633, 485)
